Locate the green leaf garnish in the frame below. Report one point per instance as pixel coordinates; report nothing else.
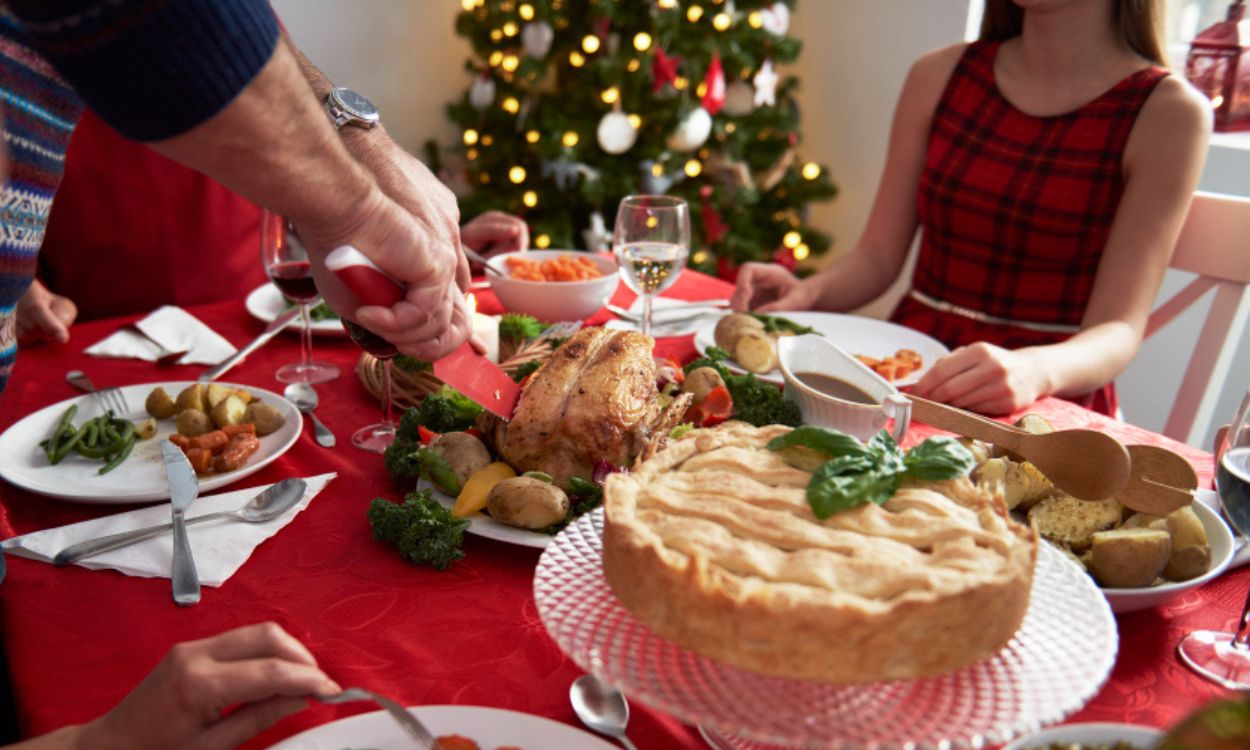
(778, 324)
(939, 458)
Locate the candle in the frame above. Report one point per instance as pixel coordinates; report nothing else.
(486, 328)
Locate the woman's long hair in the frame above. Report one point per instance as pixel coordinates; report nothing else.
(1140, 23)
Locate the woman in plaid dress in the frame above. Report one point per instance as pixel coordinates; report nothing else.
(1049, 166)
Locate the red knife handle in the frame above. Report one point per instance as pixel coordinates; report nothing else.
(363, 277)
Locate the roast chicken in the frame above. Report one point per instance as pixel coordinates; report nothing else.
(595, 399)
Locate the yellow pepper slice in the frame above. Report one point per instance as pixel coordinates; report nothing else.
(473, 495)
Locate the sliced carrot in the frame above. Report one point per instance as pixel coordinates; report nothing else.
(201, 459)
(182, 441)
(239, 429)
(213, 441)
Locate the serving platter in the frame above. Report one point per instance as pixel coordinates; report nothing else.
(481, 524)
(856, 334)
(141, 477)
(490, 727)
(1057, 661)
(266, 303)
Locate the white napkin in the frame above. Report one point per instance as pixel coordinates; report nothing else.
(219, 547)
(170, 327)
(670, 308)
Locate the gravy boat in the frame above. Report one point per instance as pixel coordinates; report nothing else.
(811, 353)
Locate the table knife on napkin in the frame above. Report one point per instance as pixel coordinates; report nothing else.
(183, 488)
(466, 370)
(271, 330)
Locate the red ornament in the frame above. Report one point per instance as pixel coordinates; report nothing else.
(663, 69)
(726, 270)
(714, 227)
(1219, 66)
(784, 257)
(714, 86)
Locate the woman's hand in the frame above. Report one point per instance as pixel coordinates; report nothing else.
(44, 315)
(494, 233)
(985, 378)
(766, 287)
(260, 669)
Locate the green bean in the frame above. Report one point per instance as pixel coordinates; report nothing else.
(125, 428)
(120, 456)
(62, 450)
(54, 440)
(92, 438)
(66, 420)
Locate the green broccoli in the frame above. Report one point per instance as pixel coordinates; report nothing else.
(401, 459)
(523, 371)
(755, 401)
(447, 410)
(424, 531)
(412, 364)
(518, 327)
(408, 424)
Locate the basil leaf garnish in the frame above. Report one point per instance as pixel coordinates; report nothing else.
(939, 458)
(829, 442)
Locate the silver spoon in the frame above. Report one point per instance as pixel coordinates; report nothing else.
(481, 260)
(601, 707)
(266, 506)
(305, 399)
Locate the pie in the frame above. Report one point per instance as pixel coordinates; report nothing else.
(711, 543)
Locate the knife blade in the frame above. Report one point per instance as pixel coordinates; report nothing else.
(465, 369)
(183, 488)
(271, 330)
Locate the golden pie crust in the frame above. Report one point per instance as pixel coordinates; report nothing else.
(711, 543)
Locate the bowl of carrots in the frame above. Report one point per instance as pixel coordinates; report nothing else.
(554, 285)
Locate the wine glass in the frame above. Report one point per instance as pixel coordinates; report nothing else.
(651, 242)
(286, 263)
(377, 437)
(1219, 656)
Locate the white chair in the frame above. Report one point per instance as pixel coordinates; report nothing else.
(1215, 245)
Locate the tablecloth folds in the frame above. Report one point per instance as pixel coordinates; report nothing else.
(167, 329)
(220, 547)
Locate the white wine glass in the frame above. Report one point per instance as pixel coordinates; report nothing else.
(651, 242)
(286, 263)
(1220, 656)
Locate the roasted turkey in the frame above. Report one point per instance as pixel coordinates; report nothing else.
(595, 399)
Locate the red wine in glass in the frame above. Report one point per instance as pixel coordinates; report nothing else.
(295, 280)
(1232, 476)
(370, 341)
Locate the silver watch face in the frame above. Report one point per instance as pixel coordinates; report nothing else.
(355, 104)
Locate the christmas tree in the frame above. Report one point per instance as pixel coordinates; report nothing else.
(577, 103)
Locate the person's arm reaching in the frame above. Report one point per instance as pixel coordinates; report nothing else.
(42, 314)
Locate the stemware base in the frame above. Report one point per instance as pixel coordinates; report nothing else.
(375, 438)
(310, 372)
(1213, 655)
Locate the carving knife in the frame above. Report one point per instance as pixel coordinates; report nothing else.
(271, 330)
(465, 369)
(183, 488)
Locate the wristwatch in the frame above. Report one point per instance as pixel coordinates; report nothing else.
(347, 107)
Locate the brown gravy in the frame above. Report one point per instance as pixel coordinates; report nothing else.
(831, 386)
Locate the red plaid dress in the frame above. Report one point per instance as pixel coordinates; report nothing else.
(1015, 211)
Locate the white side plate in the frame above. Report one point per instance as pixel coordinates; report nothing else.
(266, 303)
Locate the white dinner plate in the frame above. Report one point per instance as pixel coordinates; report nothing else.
(266, 303)
(1089, 735)
(141, 477)
(489, 727)
(481, 524)
(858, 335)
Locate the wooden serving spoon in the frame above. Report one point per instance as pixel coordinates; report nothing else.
(1161, 481)
(1083, 463)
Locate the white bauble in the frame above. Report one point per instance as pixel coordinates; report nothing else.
(777, 19)
(536, 38)
(692, 132)
(616, 135)
(739, 99)
(482, 92)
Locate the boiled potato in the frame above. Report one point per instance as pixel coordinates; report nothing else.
(701, 382)
(266, 418)
(193, 397)
(1145, 521)
(216, 394)
(244, 396)
(730, 327)
(1066, 520)
(527, 502)
(754, 350)
(192, 422)
(229, 410)
(1031, 423)
(160, 404)
(1129, 558)
(1188, 562)
(1023, 486)
(145, 429)
(463, 452)
(1186, 528)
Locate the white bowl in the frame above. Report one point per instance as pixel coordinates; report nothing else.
(1221, 540)
(554, 301)
(1140, 737)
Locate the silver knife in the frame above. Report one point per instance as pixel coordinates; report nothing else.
(183, 487)
(273, 329)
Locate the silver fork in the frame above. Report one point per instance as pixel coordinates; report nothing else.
(411, 725)
(110, 399)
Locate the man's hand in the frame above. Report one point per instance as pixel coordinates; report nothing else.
(984, 378)
(494, 233)
(182, 703)
(44, 315)
(766, 287)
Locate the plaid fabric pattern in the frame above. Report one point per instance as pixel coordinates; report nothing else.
(1015, 208)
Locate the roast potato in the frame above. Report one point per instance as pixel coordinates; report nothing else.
(1065, 519)
(216, 393)
(464, 453)
(1129, 558)
(1023, 485)
(755, 351)
(1032, 423)
(229, 410)
(193, 422)
(701, 382)
(730, 327)
(266, 418)
(193, 397)
(527, 502)
(160, 404)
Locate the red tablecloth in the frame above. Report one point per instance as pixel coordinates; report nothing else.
(78, 640)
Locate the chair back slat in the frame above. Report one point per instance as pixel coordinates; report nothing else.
(1215, 240)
